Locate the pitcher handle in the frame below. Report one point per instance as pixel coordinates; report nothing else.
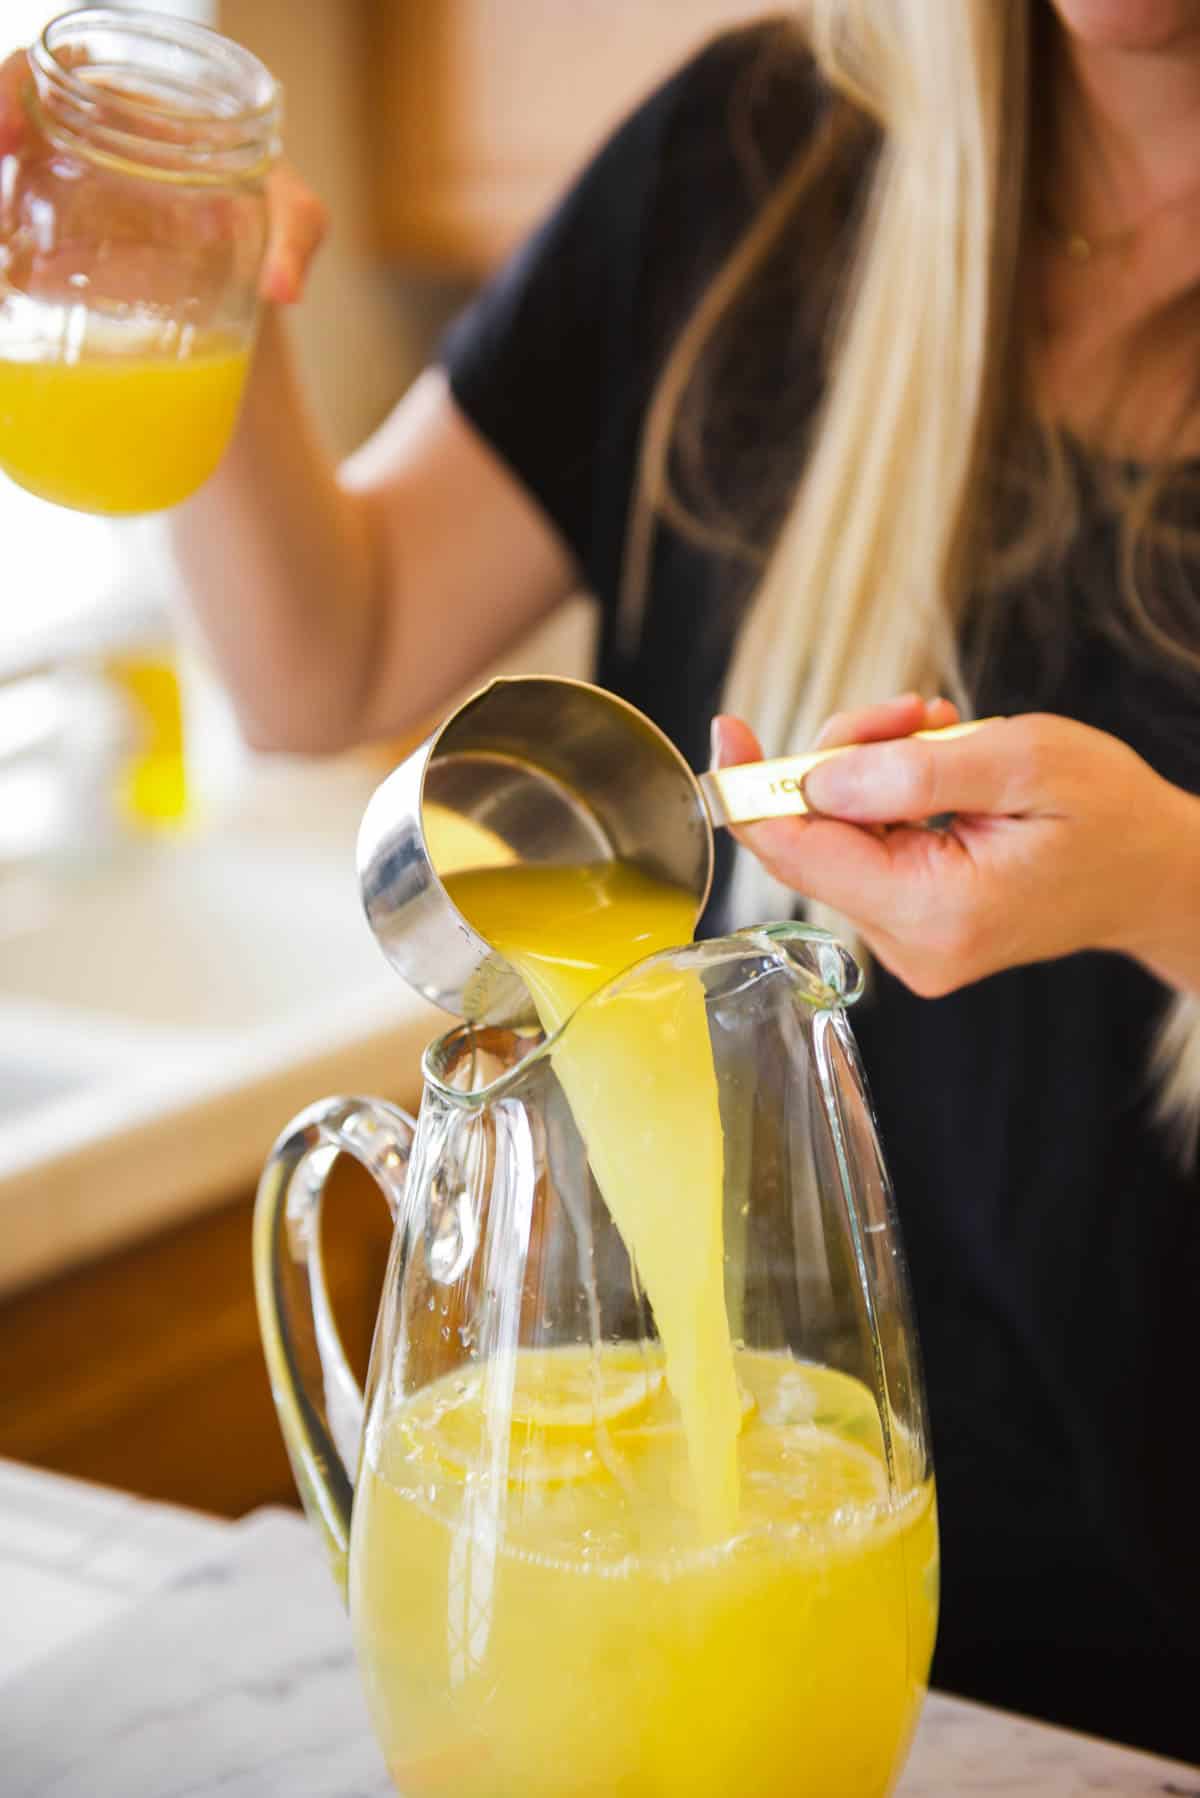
(318, 1400)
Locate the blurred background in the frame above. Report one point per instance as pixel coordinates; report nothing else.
(182, 960)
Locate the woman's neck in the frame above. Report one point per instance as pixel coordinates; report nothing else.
(1123, 177)
(1128, 134)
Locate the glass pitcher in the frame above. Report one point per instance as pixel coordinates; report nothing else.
(133, 221)
(543, 1604)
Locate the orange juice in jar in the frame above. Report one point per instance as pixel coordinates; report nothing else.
(132, 227)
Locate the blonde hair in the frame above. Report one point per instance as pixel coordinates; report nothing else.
(865, 589)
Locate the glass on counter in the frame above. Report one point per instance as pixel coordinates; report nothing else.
(133, 222)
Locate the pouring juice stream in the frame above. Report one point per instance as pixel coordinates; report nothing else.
(638, 1075)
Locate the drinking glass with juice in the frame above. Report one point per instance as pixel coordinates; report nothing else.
(132, 229)
(639, 1499)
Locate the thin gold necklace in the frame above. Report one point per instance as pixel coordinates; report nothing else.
(1079, 246)
(1085, 246)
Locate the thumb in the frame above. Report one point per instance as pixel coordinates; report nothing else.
(913, 778)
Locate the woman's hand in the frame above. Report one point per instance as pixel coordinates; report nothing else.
(296, 225)
(296, 219)
(1062, 839)
(14, 77)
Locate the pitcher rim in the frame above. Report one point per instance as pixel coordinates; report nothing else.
(837, 982)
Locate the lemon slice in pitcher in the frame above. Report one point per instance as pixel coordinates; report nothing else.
(569, 1391)
(536, 1415)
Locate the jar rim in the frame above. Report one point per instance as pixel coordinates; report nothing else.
(222, 94)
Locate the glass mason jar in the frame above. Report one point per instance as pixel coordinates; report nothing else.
(133, 222)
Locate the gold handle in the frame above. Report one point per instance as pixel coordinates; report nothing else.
(757, 790)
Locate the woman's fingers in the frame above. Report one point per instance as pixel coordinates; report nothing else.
(940, 714)
(733, 742)
(298, 223)
(831, 851)
(822, 858)
(14, 78)
(898, 717)
(1004, 768)
(890, 718)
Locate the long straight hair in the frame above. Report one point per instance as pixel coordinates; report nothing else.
(865, 591)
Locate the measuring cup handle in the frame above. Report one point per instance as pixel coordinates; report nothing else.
(775, 789)
(317, 1398)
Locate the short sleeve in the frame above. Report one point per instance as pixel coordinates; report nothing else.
(553, 363)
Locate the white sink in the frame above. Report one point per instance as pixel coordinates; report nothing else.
(204, 935)
(161, 1019)
(50, 1054)
(27, 1086)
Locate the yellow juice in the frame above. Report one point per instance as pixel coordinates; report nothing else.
(536, 1619)
(638, 1074)
(153, 785)
(649, 1570)
(119, 433)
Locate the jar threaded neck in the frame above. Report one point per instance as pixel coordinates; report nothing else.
(161, 97)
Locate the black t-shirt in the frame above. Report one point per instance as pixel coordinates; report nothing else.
(1053, 1238)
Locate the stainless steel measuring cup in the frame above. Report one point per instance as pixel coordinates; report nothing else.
(541, 769)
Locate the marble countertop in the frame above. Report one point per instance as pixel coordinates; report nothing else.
(150, 1653)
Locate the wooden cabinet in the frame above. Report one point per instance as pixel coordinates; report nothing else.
(144, 1370)
(481, 109)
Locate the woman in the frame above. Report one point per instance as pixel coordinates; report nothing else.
(865, 358)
